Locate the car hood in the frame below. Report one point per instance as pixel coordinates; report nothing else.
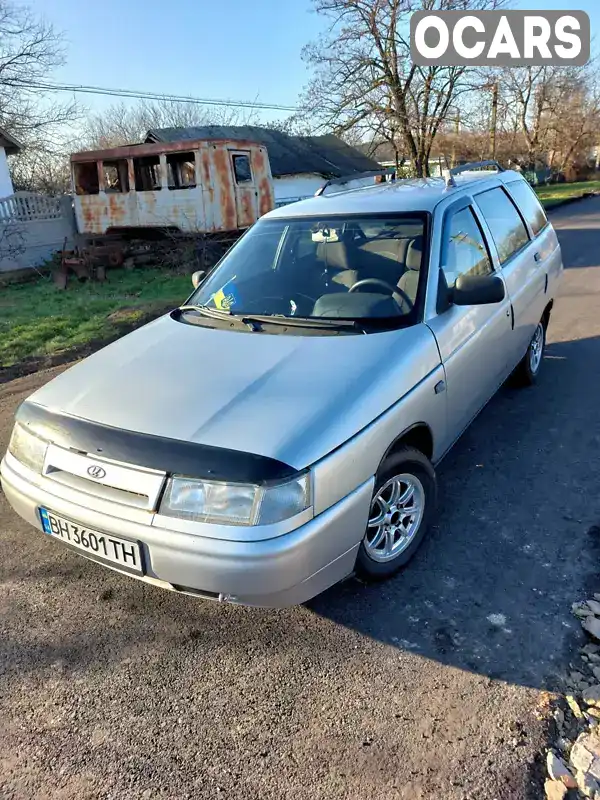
(292, 398)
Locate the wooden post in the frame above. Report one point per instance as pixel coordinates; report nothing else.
(455, 139)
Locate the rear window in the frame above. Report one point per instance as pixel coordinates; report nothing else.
(504, 221)
(529, 204)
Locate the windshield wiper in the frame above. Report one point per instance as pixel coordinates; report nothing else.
(221, 314)
(302, 322)
(256, 321)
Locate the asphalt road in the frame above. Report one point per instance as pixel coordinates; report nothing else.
(429, 686)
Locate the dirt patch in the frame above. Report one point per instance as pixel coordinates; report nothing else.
(123, 316)
(125, 320)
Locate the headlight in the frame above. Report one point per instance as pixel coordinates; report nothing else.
(27, 448)
(235, 503)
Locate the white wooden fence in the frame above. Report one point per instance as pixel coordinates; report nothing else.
(32, 228)
(28, 206)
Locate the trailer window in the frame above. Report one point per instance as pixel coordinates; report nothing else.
(241, 169)
(181, 169)
(116, 177)
(86, 177)
(147, 174)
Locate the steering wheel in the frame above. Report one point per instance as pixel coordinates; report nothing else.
(394, 290)
(376, 281)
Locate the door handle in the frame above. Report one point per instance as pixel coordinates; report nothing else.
(537, 257)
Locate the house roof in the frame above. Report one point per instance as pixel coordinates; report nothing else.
(11, 145)
(325, 155)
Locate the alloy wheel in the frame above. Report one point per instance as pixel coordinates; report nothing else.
(396, 513)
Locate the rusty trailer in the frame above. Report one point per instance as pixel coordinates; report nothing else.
(194, 187)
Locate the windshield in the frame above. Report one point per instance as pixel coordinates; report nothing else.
(352, 268)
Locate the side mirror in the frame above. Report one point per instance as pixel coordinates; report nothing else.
(478, 290)
(197, 277)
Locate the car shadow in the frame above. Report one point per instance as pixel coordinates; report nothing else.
(491, 589)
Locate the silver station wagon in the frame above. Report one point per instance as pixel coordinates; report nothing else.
(279, 431)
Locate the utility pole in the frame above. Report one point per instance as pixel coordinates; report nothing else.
(455, 139)
(494, 121)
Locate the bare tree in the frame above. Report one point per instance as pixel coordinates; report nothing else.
(43, 168)
(365, 80)
(531, 95)
(30, 49)
(551, 113)
(575, 126)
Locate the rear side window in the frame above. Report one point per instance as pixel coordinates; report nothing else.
(505, 223)
(465, 249)
(529, 204)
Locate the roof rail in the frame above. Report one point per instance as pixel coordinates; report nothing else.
(355, 176)
(449, 174)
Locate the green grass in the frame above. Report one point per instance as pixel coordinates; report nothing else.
(37, 319)
(558, 192)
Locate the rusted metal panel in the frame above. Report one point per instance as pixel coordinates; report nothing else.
(98, 213)
(225, 212)
(246, 197)
(264, 180)
(146, 194)
(208, 190)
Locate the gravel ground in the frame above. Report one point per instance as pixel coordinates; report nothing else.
(429, 686)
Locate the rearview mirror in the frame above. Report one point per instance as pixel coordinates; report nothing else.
(197, 277)
(478, 290)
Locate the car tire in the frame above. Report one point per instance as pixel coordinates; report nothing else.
(405, 481)
(529, 368)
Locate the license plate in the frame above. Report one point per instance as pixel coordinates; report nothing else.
(118, 551)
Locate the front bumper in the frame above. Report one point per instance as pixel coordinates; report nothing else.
(276, 572)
